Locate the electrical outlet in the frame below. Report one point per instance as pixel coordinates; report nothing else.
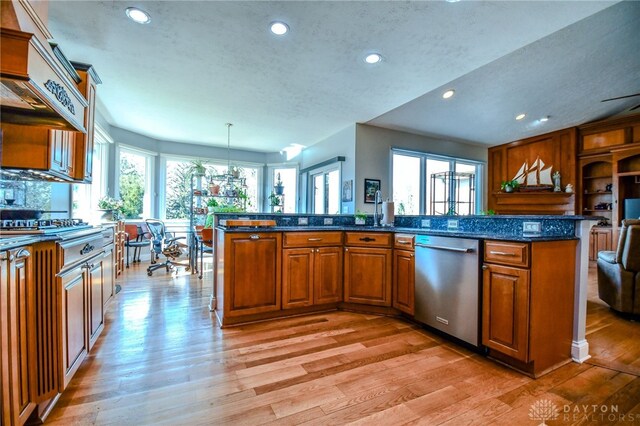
(425, 223)
(303, 221)
(452, 224)
(328, 221)
(531, 227)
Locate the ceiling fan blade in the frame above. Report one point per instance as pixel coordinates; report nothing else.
(620, 97)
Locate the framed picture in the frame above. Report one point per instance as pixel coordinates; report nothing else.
(347, 190)
(370, 188)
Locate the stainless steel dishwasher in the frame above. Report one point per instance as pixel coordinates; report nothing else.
(447, 285)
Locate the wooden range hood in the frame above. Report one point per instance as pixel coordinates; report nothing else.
(36, 86)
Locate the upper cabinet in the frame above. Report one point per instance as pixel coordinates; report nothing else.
(83, 169)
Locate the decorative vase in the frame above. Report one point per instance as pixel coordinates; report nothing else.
(214, 189)
(360, 221)
(106, 215)
(278, 189)
(508, 188)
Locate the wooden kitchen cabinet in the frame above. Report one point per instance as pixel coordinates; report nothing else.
(506, 310)
(95, 273)
(17, 335)
(83, 170)
(108, 265)
(600, 239)
(311, 275)
(367, 268)
(404, 269)
(250, 282)
(74, 344)
(527, 309)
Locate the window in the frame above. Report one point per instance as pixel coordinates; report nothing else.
(177, 187)
(325, 191)
(413, 189)
(134, 182)
(289, 179)
(85, 196)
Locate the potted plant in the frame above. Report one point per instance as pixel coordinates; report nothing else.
(235, 171)
(111, 208)
(361, 217)
(214, 188)
(278, 187)
(509, 185)
(198, 167)
(274, 199)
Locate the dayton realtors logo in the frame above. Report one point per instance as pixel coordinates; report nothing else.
(544, 409)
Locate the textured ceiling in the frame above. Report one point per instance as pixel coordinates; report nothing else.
(198, 65)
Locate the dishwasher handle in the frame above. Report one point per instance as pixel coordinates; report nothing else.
(446, 248)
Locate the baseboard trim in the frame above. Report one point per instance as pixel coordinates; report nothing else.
(580, 351)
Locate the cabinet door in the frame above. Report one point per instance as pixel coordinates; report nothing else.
(74, 323)
(327, 276)
(108, 284)
(297, 277)
(404, 266)
(505, 311)
(599, 240)
(18, 338)
(253, 283)
(59, 154)
(96, 305)
(367, 275)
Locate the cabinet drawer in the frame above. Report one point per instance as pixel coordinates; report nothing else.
(76, 250)
(312, 239)
(107, 236)
(368, 239)
(507, 253)
(404, 241)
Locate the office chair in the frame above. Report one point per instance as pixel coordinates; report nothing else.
(135, 238)
(163, 242)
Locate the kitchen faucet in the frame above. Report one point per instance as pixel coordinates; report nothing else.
(377, 199)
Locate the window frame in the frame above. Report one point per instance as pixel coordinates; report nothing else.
(424, 179)
(149, 181)
(323, 170)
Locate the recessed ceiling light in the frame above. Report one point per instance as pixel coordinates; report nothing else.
(545, 118)
(138, 15)
(449, 93)
(520, 116)
(279, 28)
(453, 1)
(373, 58)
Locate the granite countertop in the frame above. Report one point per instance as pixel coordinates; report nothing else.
(9, 242)
(415, 231)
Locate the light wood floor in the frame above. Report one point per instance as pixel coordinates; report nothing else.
(162, 360)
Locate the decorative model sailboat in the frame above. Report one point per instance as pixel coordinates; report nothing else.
(534, 177)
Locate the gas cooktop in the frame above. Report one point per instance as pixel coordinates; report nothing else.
(38, 227)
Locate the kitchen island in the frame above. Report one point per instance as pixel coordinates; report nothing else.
(532, 295)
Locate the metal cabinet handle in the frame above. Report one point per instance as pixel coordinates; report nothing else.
(5, 257)
(456, 249)
(314, 239)
(88, 248)
(254, 237)
(501, 253)
(88, 266)
(485, 267)
(346, 249)
(403, 242)
(22, 254)
(367, 239)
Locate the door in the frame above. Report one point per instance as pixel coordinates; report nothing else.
(297, 277)
(404, 281)
(505, 311)
(254, 279)
(367, 275)
(327, 280)
(96, 306)
(74, 322)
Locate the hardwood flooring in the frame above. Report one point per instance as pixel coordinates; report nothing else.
(162, 360)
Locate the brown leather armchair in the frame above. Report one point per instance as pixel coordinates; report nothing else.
(619, 271)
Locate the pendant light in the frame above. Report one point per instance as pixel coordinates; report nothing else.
(229, 174)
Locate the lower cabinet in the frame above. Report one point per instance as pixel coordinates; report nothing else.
(367, 268)
(251, 277)
(527, 312)
(311, 276)
(600, 239)
(74, 343)
(404, 267)
(17, 328)
(97, 280)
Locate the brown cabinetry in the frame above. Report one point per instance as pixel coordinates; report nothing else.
(74, 348)
(527, 312)
(17, 328)
(367, 268)
(311, 275)
(600, 239)
(404, 266)
(83, 170)
(250, 281)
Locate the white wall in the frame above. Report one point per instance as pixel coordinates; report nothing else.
(373, 158)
